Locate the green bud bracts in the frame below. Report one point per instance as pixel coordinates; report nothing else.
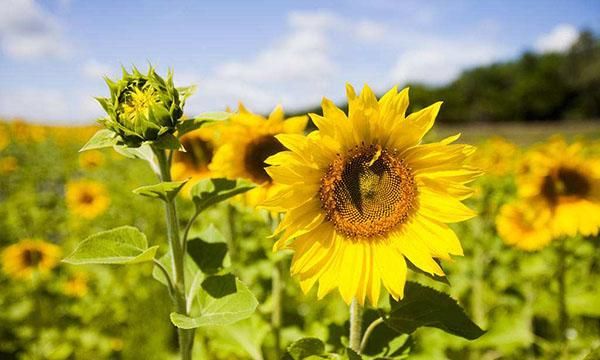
(143, 107)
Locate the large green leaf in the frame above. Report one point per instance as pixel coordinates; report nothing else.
(208, 250)
(122, 245)
(186, 126)
(209, 192)
(165, 190)
(219, 311)
(168, 142)
(101, 139)
(424, 306)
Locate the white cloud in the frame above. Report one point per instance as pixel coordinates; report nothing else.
(440, 61)
(94, 69)
(370, 31)
(27, 31)
(58, 106)
(559, 39)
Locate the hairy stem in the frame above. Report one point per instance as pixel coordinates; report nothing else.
(186, 337)
(355, 325)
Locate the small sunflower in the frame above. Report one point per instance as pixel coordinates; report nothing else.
(194, 162)
(497, 157)
(566, 183)
(87, 199)
(76, 285)
(524, 225)
(29, 256)
(362, 195)
(247, 141)
(91, 159)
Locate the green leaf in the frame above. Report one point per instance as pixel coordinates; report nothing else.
(218, 286)
(197, 122)
(168, 142)
(143, 152)
(209, 192)
(424, 306)
(352, 355)
(190, 271)
(222, 311)
(208, 250)
(594, 355)
(165, 190)
(306, 347)
(122, 245)
(101, 139)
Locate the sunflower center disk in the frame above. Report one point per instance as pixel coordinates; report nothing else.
(565, 182)
(31, 257)
(198, 153)
(256, 153)
(368, 192)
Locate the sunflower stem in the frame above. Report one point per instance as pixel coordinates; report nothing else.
(186, 337)
(355, 325)
(563, 316)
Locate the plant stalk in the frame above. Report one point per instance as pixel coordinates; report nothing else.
(186, 337)
(355, 325)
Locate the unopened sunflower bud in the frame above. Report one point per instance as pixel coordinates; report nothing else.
(143, 107)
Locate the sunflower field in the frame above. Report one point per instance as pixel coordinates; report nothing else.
(364, 233)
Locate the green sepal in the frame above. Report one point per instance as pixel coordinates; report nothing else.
(122, 245)
(166, 191)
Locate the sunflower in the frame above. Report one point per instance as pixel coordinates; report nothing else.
(247, 140)
(29, 256)
(8, 165)
(194, 162)
(76, 285)
(87, 199)
(566, 183)
(362, 195)
(497, 157)
(91, 159)
(524, 225)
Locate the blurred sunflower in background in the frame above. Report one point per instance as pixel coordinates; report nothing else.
(29, 256)
(87, 199)
(91, 159)
(76, 285)
(496, 156)
(8, 165)
(524, 225)
(247, 140)
(566, 183)
(194, 162)
(362, 195)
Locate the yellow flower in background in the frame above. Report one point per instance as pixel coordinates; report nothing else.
(496, 156)
(566, 183)
(247, 140)
(362, 195)
(29, 256)
(26, 133)
(87, 199)
(524, 225)
(76, 285)
(194, 162)
(4, 138)
(8, 165)
(91, 159)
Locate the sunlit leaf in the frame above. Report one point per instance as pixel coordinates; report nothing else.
(123, 245)
(101, 139)
(209, 192)
(165, 190)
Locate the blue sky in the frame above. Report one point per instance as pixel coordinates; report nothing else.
(53, 53)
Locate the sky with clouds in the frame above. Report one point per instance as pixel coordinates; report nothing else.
(54, 53)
